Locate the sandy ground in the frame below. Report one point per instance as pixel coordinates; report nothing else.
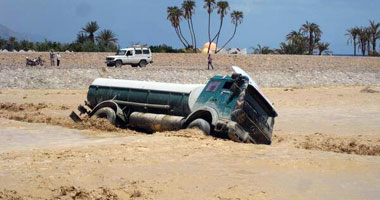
(326, 146)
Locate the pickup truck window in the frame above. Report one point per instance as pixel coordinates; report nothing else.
(146, 51)
(138, 51)
(120, 53)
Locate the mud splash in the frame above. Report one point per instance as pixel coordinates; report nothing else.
(71, 192)
(29, 107)
(186, 133)
(360, 146)
(10, 195)
(31, 113)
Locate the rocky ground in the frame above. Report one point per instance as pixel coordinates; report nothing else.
(79, 70)
(326, 142)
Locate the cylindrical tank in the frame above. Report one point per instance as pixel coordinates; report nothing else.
(142, 96)
(155, 122)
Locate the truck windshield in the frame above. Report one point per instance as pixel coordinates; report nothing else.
(120, 53)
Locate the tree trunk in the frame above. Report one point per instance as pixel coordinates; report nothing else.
(363, 47)
(233, 35)
(195, 39)
(311, 47)
(92, 37)
(179, 36)
(374, 45)
(191, 34)
(369, 48)
(184, 39)
(209, 34)
(220, 28)
(354, 46)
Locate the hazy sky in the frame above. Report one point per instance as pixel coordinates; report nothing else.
(266, 22)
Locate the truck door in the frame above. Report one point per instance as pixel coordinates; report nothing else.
(129, 56)
(137, 56)
(226, 100)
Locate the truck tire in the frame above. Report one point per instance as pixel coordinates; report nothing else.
(200, 124)
(107, 113)
(118, 63)
(143, 63)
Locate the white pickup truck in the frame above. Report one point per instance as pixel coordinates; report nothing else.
(134, 56)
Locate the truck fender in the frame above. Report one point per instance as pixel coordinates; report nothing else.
(206, 113)
(111, 104)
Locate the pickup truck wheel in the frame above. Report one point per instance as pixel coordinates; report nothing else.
(118, 63)
(200, 124)
(143, 63)
(107, 113)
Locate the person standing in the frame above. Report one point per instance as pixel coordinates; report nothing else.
(58, 59)
(52, 58)
(209, 62)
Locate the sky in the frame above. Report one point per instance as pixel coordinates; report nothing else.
(266, 22)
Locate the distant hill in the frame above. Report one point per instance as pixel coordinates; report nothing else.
(5, 33)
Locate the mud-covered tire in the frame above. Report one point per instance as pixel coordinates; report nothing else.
(200, 124)
(107, 113)
(118, 63)
(143, 63)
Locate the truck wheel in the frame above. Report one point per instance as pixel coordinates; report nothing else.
(143, 63)
(107, 113)
(118, 63)
(200, 124)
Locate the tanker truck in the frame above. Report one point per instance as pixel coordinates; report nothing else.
(231, 107)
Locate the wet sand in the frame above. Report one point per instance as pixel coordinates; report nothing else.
(326, 146)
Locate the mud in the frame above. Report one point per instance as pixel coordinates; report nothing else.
(9, 195)
(350, 145)
(31, 113)
(325, 146)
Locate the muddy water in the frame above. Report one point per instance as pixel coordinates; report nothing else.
(21, 136)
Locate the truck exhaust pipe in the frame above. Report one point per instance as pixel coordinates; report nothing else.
(155, 122)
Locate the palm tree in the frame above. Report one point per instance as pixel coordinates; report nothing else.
(81, 38)
(262, 50)
(188, 7)
(313, 32)
(375, 34)
(353, 34)
(368, 42)
(174, 15)
(363, 39)
(107, 37)
(297, 43)
(236, 19)
(223, 8)
(209, 6)
(323, 47)
(90, 29)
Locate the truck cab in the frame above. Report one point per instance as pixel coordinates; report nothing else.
(240, 107)
(134, 56)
